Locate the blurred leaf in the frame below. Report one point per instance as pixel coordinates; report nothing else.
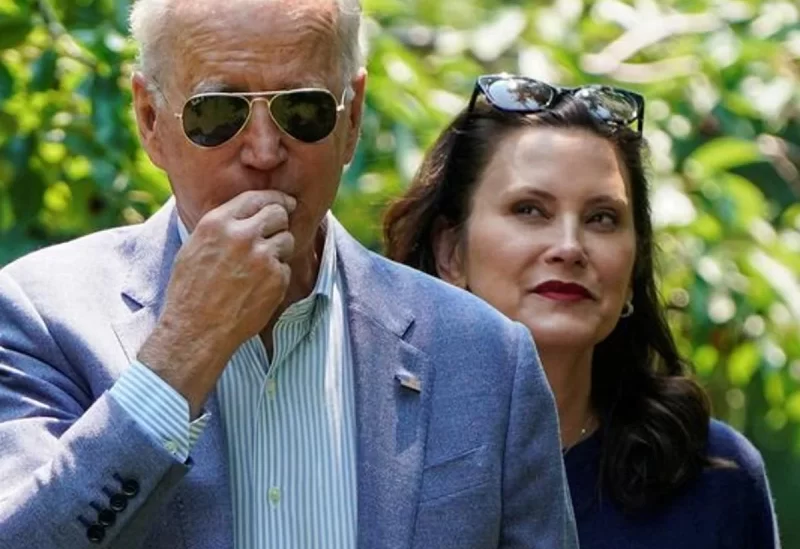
(13, 30)
(793, 407)
(103, 172)
(122, 9)
(27, 195)
(6, 83)
(44, 71)
(775, 390)
(14, 244)
(27, 187)
(708, 228)
(741, 201)
(705, 360)
(742, 364)
(8, 124)
(725, 153)
(106, 108)
(19, 151)
(386, 8)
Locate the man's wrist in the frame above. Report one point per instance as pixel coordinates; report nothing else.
(183, 363)
(159, 410)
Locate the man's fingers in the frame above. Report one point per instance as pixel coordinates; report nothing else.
(249, 203)
(280, 246)
(271, 219)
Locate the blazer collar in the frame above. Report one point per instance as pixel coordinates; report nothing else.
(152, 253)
(393, 387)
(369, 289)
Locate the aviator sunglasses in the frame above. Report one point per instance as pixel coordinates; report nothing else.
(308, 115)
(520, 94)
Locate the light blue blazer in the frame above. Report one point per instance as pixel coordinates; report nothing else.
(471, 460)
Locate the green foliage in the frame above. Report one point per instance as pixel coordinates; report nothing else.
(723, 120)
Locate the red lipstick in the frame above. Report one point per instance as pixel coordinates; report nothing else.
(558, 290)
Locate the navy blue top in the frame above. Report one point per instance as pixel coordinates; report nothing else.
(725, 508)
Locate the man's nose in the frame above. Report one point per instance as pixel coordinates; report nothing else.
(263, 141)
(567, 245)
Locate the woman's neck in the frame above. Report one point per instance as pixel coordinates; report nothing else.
(569, 373)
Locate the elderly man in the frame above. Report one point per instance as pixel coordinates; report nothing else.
(238, 371)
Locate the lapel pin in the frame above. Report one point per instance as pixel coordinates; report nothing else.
(409, 381)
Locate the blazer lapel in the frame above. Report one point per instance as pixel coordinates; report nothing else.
(206, 489)
(393, 386)
(150, 254)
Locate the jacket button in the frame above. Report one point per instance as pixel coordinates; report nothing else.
(96, 533)
(130, 488)
(106, 517)
(118, 502)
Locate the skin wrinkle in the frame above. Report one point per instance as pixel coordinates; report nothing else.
(213, 85)
(317, 17)
(229, 49)
(205, 37)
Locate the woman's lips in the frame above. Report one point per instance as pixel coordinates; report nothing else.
(558, 290)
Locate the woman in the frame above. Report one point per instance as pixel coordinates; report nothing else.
(535, 199)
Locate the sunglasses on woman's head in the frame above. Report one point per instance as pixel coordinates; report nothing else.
(520, 94)
(307, 114)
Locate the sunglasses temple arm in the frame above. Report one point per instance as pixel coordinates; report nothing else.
(475, 92)
(640, 116)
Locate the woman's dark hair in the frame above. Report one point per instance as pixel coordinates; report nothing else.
(654, 419)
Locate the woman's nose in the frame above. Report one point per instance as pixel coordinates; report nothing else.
(567, 245)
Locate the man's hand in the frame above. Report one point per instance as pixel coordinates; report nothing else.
(228, 280)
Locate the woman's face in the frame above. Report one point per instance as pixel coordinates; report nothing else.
(550, 240)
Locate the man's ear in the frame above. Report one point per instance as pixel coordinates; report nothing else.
(449, 254)
(355, 112)
(145, 107)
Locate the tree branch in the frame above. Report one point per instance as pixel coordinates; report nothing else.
(785, 157)
(648, 33)
(60, 35)
(642, 73)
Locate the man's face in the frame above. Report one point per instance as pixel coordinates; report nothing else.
(251, 46)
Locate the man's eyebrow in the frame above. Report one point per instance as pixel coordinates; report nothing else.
(293, 84)
(218, 86)
(211, 86)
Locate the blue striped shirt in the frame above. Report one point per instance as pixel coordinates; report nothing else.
(290, 423)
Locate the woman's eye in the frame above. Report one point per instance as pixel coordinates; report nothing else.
(604, 219)
(528, 210)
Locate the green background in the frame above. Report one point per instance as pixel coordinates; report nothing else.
(723, 120)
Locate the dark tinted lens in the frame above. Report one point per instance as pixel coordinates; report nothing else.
(608, 104)
(308, 116)
(517, 94)
(211, 120)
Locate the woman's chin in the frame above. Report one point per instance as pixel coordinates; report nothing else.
(577, 334)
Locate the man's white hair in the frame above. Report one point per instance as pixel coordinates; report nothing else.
(151, 20)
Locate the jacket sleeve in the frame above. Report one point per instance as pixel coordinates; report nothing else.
(75, 471)
(537, 510)
(159, 409)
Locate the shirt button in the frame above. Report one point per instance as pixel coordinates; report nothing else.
(171, 446)
(275, 495)
(272, 387)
